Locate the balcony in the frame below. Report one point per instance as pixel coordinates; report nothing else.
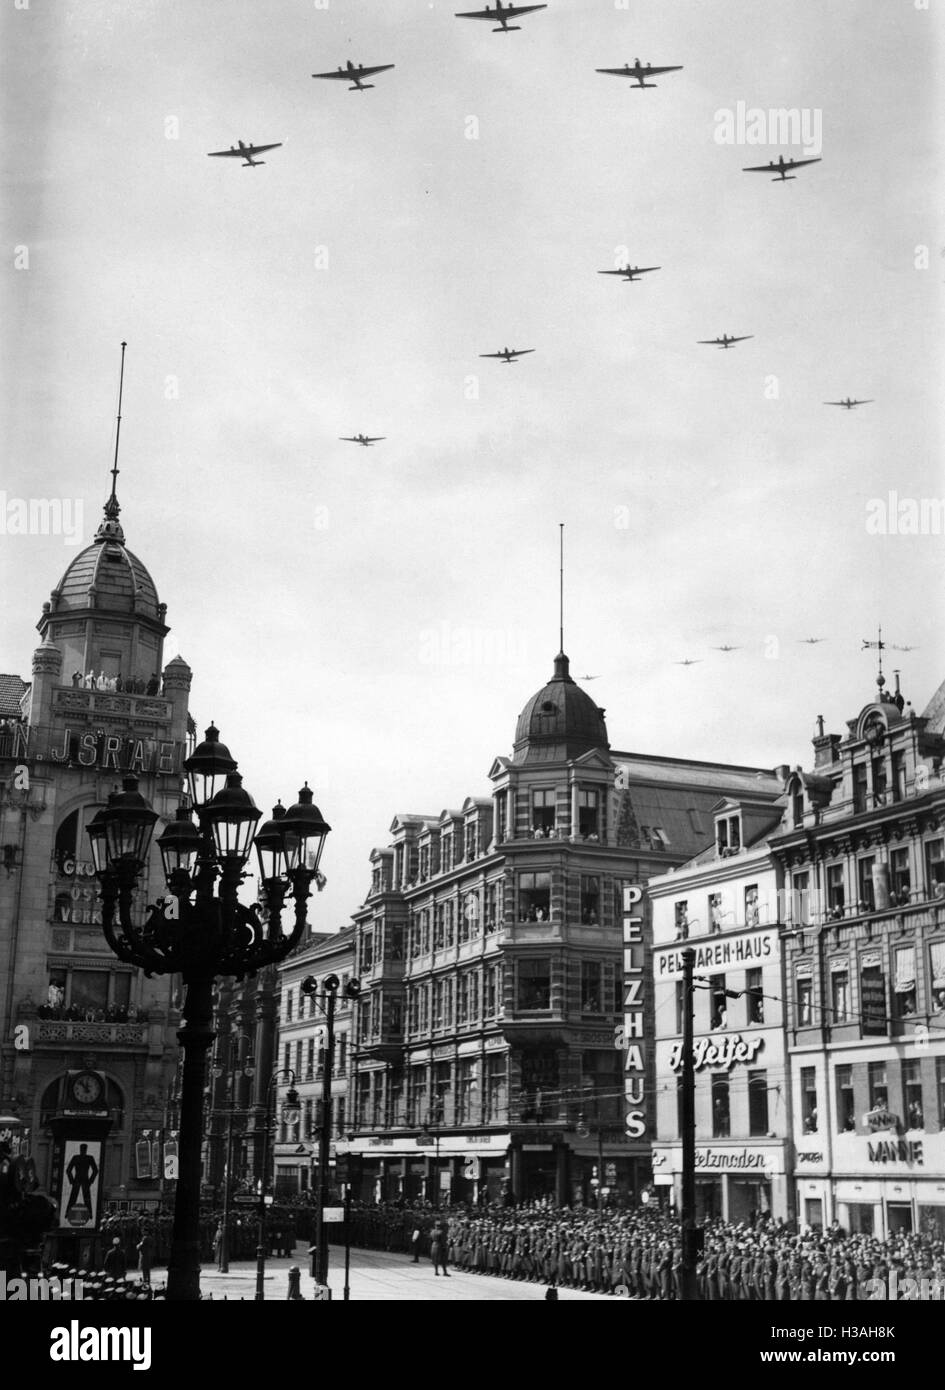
(60, 1031)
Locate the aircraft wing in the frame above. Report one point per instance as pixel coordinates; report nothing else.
(710, 342)
(655, 72)
(798, 163)
(369, 72)
(760, 168)
(340, 76)
(376, 438)
(507, 12)
(743, 339)
(223, 154)
(261, 149)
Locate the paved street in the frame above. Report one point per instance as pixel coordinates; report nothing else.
(377, 1276)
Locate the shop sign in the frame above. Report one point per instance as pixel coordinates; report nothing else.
(722, 1051)
(119, 752)
(628, 1036)
(725, 953)
(896, 1151)
(880, 1119)
(730, 1159)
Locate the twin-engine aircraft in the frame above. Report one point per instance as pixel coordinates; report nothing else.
(502, 13)
(245, 152)
(354, 73)
(363, 439)
(848, 404)
(639, 72)
(726, 340)
(508, 354)
(780, 168)
(630, 272)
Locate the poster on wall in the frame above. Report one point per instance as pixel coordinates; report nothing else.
(81, 1184)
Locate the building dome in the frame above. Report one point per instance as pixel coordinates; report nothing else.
(107, 576)
(560, 722)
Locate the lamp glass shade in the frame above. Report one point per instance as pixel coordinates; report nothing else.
(96, 833)
(179, 844)
(129, 823)
(305, 822)
(207, 768)
(232, 815)
(270, 847)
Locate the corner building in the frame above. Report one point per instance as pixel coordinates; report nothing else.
(488, 1064)
(863, 851)
(87, 1046)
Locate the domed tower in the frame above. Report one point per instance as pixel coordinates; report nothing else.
(104, 614)
(560, 722)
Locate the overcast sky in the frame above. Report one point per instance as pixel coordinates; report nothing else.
(373, 620)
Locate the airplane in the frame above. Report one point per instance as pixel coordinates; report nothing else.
(508, 354)
(638, 71)
(725, 341)
(244, 152)
(630, 272)
(726, 649)
(848, 404)
(596, 678)
(812, 641)
(355, 73)
(503, 13)
(780, 167)
(687, 662)
(361, 439)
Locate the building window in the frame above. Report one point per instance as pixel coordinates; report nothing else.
(340, 1115)
(718, 1003)
(898, 777)
(590, 899)
(859, 788)
(900, 877)
(534, 983)
(836, 897)
(467, 1084)
(680, 1005)
(681, 914)
(342, 1052)
(809, 1120)
(591, 987)
(757, 1102)
(494, 1094)
(534, 897)
(543, 811)
(754, 998)
(721, 1117)
(442, 1092)
(799, 909)
(287, 1058)
(878, 1086)
(715, 912)
(751, 905)
(500, 816)
(416, 1094)
(462, 999)
(310, 1060)
(879, 782)
(912, 1094)
(904, 991)
(490, 992)
(728, 835)
(307, 1120)
(588, 814)
(866, 901)
(839, 994)
(846, 1112)
(470, 917)
(797, 807)
(805, 1001)
(935, 867)
(288, 1006)
(367, 952)
(937, 974)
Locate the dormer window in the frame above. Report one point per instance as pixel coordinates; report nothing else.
(728, 835)
(543, 811)
(424, 862)
(447, 847)
(472, 840)
(797, 806)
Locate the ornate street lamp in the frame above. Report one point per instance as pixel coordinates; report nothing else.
(202, 930)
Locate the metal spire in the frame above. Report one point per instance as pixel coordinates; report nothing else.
(113, 500)
(561, 585)
(879, 646)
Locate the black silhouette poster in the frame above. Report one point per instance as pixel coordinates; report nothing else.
(81, 1184)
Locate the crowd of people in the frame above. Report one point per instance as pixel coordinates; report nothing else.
(638, 1253)
(130, 685)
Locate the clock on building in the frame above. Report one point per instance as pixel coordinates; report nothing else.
(86, 1087)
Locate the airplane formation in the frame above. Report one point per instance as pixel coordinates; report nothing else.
(640, 76)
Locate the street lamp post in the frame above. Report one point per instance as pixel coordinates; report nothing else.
(199, 933)
(290, 1114)
(326, 1002)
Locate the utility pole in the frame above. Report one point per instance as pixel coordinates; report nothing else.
(689, 1233)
